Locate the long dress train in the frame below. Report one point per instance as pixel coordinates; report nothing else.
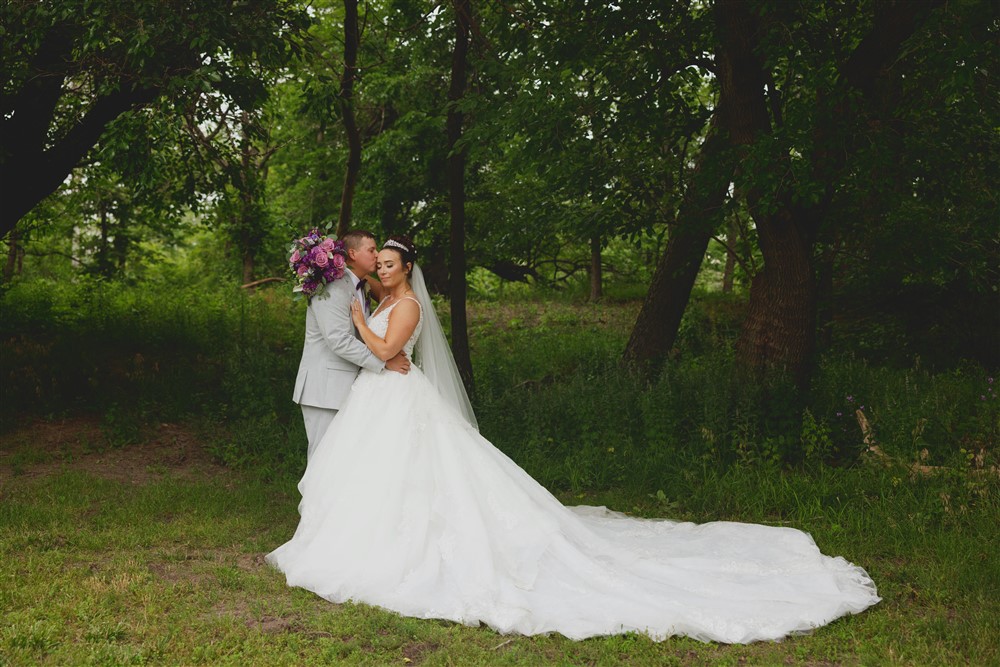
(406, 506)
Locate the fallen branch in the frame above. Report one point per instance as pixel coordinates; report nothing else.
(875, 453)
(262, 281)
(502, 644)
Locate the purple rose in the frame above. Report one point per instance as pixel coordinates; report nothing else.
(327, 245)
(321, 259)
(339, 262)
(303, 270)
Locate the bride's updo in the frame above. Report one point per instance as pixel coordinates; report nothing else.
(404, 246)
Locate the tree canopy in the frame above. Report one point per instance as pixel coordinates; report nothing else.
(841, 155)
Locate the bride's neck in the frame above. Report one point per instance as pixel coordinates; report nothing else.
(399, 291)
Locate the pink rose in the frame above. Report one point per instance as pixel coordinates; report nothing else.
(295, 257)
(322, 259)
(339, 262)
(327, 245)
(303, 270)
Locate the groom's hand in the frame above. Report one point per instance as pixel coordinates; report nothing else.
(399, 363)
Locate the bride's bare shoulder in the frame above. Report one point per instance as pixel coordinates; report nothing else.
(408, 306)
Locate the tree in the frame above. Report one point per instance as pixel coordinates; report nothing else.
(456, 188)
(70, 68)
(237, 146)
(347, 79)
(798, 146)
(779, 333)
(700, 213)
(584, 127)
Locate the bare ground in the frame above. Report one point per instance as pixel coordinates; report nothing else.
(38, 447)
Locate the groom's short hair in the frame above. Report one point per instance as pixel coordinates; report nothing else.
(353, 238)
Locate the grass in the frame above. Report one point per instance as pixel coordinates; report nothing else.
(170, 571)
(124, 541)
(149, 560)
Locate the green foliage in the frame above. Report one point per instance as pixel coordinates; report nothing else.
(550, 392)
(161, 353)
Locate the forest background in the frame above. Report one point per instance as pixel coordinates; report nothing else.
(709, 260)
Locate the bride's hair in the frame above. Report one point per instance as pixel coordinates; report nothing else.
(404, 246)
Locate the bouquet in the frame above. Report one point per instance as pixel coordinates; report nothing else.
(316, 260)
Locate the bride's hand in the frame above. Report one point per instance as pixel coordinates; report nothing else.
(357, 313)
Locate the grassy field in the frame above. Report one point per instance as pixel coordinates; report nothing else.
(149, 456)
(153, 554)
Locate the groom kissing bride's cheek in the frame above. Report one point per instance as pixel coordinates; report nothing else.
(333, 352)
(406, 506)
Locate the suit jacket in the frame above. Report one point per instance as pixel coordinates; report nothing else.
(332, 353)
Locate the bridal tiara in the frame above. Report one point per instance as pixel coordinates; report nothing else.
(391, 243)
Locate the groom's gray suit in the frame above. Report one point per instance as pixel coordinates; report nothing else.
(331, 357)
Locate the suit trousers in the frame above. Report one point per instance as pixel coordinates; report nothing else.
(317, 420)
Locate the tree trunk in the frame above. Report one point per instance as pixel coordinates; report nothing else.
(104, 265)
(826, 265)
(119, 245)
(779, 333)
(246, 223)
(655, 330)
(456, 187)
(248, 267)
(596, 278)
(732, 236)
(14, 252)
(351, 38)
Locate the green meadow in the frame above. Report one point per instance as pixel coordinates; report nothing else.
(150, 454)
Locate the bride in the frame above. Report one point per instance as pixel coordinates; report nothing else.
(406, 506)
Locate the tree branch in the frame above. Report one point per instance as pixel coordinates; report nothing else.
(33, 177)
(28, 115)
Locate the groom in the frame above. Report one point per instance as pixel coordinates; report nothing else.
(333, 353)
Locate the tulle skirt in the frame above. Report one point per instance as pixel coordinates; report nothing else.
(406, 506)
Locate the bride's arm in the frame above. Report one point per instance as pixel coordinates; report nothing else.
(402, 321)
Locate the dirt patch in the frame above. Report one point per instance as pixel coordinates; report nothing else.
(250, 562)
(267, 624)
(274, 624)
(38, 448)
(181, 573)
(413, 654)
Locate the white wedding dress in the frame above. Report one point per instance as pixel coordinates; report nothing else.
(406, 506)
